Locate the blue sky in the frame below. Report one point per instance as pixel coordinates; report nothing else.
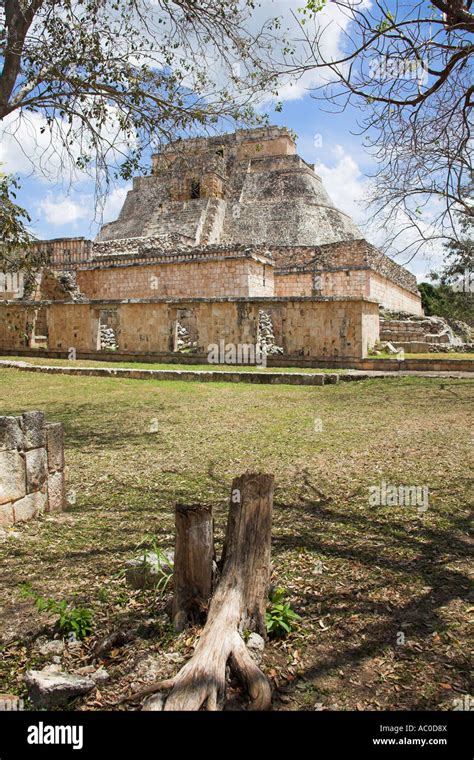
(61, 206)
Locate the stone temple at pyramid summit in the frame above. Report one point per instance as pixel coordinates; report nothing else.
(229, 238)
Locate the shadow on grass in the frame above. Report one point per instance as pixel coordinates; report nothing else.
(429, 551)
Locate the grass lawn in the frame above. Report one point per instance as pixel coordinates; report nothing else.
(359, 576)
(143, 365)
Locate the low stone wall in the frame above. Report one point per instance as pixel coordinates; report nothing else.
(275, 361)
(32, 478)
(314, 327)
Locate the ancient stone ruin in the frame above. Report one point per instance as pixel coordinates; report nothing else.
(425, 334)
(223, 229)
(32, 478)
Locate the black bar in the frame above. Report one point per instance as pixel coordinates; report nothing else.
(277, 734)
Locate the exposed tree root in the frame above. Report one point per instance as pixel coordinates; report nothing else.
(238, 604)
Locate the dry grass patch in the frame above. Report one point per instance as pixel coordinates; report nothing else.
(358, 575)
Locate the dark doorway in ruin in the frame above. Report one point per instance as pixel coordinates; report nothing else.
(195, 189)
(39, 333)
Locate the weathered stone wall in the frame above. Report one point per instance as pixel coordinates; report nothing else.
(73, 326)
(364, 283)
(348, 268)
(260, 278)
(65, 252)
(32, 478)
(370, 328)
(303, 328)
(393, 296)
(314, 327)
(186, 276)
(293, 283)
(279, 200)
(273, 195)
(16, 322)
(346, 254)
(244, 143)
(148, 212)
(344, 282)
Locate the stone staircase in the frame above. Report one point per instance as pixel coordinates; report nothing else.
(213, 222)
(183, 217)
(420, 334)
(199, 220)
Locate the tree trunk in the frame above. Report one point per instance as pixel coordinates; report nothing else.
(238, 605)
(193, 557)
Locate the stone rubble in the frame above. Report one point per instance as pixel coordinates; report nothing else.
(51, 648)
(183, 339)
(425, 334)
(256, 645)
(266, 341)
(108, 340)
(68, 281)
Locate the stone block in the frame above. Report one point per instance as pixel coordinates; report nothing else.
(36, 462)
(6, 516)
(148, 570)
(12, 476)
(11, 435)
(33, 430)
(52, 687)
(32, 505)
(55, 446)
(56, 492)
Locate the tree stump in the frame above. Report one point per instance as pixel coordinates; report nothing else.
(193, 557)
(238, 605)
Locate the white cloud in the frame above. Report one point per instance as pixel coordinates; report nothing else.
(328, 25)
(344, 182)
(76, 206)
(114, 203)
(349, 189)
(63, 210)
(322, 37)
(29, 146)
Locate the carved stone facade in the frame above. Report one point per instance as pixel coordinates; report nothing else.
(230, 217)
(328, 328)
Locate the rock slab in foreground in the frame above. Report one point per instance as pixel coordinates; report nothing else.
(148, 570)
(52, 687)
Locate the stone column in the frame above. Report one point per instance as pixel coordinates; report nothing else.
(31, 468)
